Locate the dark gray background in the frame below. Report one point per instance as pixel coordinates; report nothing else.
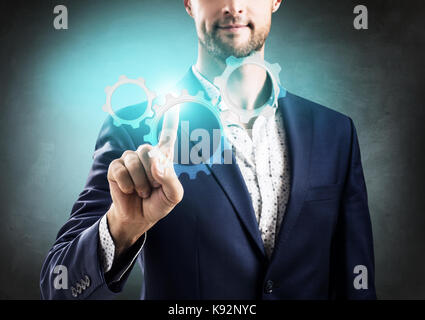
(51, 95)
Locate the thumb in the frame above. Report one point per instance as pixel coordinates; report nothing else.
(165, 175)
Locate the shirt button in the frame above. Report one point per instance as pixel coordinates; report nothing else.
(268, 287)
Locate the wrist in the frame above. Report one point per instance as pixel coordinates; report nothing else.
(124, 235)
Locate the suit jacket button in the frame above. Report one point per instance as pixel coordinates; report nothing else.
(268, 288)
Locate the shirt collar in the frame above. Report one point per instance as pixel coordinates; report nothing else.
(213, 92)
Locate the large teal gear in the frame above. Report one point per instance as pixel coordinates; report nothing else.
(233, 111)
(170, 102)
(150, 95)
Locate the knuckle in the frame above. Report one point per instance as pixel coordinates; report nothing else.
(113, 163)
(120, 173)
(126, 153)
(127, 190)
(125, 187)
(144, 148)
(114, 166)
(143, 151)
(132, 162)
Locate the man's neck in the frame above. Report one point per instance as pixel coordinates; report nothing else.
(248, 85)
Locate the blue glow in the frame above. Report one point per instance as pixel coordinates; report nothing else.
(100, 45)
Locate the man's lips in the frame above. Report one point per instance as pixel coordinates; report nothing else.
(233, 27)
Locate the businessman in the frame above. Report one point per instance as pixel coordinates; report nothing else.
(287, 219)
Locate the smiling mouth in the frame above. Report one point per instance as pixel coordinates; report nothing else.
(233, 27)
(227, 26)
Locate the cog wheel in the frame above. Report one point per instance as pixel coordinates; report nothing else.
(191, 170)
(244, 116)
(135, 123)
(172, 101)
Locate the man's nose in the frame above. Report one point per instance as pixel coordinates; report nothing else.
(233, 7)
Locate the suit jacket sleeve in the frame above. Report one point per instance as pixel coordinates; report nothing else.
(352, 264)
(77, 243)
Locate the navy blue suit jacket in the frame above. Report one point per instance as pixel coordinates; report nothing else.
(209, 246)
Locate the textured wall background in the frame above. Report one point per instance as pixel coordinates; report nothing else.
(51, 95)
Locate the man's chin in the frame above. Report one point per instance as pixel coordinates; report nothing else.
(239, 52)
(224, 48)
(236, 49)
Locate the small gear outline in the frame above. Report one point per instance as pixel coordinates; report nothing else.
(244, 116)
(171, 101)
(134, 123)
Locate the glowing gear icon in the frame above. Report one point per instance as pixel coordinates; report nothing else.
(118, 121)
(171, 101)
(230, 110)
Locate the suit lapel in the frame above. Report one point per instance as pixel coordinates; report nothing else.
(231, 181)
(299, 132)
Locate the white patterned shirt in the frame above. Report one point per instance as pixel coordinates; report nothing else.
(107, 246)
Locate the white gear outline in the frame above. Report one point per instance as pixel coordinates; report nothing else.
(150, 95)
(244, 116)
(172, 101)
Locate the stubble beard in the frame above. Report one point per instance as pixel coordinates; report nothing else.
(220, 49)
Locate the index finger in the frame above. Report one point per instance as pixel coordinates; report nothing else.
(168, 137)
